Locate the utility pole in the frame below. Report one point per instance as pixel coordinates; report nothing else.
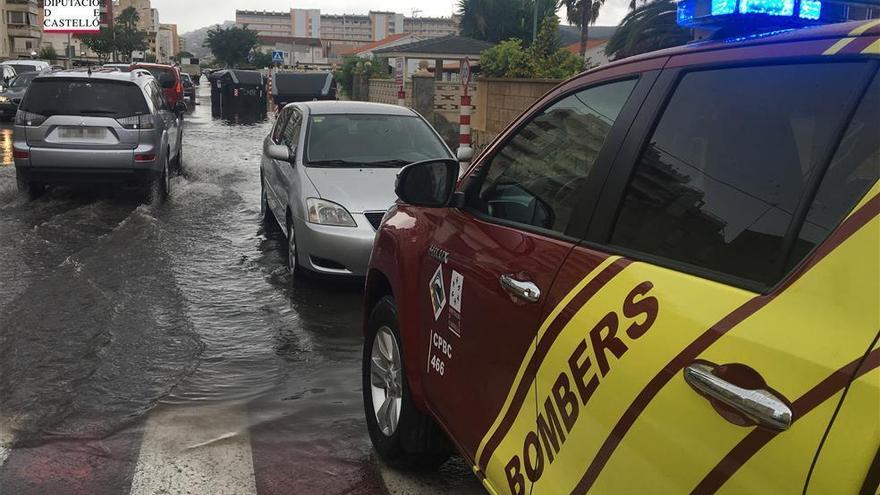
(69, 52)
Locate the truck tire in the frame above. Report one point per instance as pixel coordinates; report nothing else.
(403, 436)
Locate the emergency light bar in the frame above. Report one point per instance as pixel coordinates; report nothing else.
(754, 15)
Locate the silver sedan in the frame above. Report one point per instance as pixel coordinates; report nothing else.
(327, 176)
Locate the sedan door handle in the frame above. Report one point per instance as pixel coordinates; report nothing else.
(527, 291)
(760, 406)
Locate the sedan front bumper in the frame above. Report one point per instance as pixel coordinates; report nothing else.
(335, 250)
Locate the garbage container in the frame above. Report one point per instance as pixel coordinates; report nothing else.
(289, 87)
(239, 93)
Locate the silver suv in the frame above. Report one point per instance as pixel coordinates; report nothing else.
(88, 126)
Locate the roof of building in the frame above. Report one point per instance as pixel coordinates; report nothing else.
(446, 45)
(591, 43)
(378, 44)
(572, 34)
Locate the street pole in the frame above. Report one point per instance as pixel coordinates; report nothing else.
(69, 52)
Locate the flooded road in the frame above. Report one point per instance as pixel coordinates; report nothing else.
(136, 338)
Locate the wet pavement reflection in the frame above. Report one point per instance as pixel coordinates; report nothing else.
(116, 316)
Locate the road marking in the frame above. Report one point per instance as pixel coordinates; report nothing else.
(195, 450)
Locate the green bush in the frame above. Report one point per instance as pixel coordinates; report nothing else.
(546, 58)
(376, 67)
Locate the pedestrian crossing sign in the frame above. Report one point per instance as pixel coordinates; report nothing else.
(277, 56)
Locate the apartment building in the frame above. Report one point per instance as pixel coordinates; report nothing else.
(22, 29)
(144, 9)
(347, 28)
(167, 43)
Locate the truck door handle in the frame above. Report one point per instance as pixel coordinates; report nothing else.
(760, 406)
(527, 291)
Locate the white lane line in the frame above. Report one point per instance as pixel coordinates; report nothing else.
(195, 450)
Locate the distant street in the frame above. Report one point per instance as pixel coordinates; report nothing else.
(163, 349)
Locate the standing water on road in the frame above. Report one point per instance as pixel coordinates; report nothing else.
(122, 322)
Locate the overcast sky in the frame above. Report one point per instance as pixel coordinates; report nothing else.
(194, 14)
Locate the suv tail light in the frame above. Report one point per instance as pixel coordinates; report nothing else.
(137, 122)
(21, 154)
(144, 157)
(29, 119)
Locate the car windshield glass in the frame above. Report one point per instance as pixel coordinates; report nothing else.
(370, 141)
(21, 68)
(84, 97)
(22, 81)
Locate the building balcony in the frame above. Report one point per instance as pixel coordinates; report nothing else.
(23, 31)
(29, 6)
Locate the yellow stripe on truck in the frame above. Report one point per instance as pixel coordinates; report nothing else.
(541, 331)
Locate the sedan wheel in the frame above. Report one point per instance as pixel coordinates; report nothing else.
(292, 263)
(385, 381)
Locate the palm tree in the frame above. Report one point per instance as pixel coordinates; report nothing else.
(582, 13)
(649, 27)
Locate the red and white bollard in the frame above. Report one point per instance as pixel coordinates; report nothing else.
(464, 133)
(401, 97)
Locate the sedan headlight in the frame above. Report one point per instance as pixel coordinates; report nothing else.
(4, 99)
(325, 212)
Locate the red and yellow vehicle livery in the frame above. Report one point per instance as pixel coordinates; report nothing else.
(663, 277)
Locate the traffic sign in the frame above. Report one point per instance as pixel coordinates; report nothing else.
(277, 56)
(398, 73)
(465, 71)
(252, 55)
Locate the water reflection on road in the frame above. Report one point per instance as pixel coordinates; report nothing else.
(110, 309)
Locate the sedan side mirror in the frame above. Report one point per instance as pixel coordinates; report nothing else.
(428, 184)
(279, 152)
(180, 107)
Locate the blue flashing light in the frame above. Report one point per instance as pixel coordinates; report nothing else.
(722, 7)
(811, 9)
(770, 7)
(742, 17)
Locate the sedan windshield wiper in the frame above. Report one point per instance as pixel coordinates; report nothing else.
(342, 163)
(388, 163)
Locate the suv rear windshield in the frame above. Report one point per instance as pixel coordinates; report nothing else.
(161, 75)
(364, 140)
(97, 98)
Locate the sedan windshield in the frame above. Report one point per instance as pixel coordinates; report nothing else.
(370, 141)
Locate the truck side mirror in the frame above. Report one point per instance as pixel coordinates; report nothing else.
(429, 184)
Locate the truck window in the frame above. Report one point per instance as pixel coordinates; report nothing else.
(730, 160)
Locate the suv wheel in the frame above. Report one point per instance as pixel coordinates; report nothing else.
(400, 433)
(161, 186)
(28, 188)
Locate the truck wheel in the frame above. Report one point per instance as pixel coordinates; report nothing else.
(403, 436)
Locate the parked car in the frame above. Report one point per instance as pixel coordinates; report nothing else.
(96, 126)
(25, 65)
(327, 176)
(661, 278)
(169, 79)
(189, 91)
(11, 95)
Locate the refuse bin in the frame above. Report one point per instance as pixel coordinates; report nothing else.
(289, 87)
(239, 93)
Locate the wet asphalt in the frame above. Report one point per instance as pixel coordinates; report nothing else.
(131, 332)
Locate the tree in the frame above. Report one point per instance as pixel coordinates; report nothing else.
(123, 38)
(150, 58)
(582, 13)
(48, 53)
(231, 46)
(649, 27)
(497, 20)
(545, 58)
